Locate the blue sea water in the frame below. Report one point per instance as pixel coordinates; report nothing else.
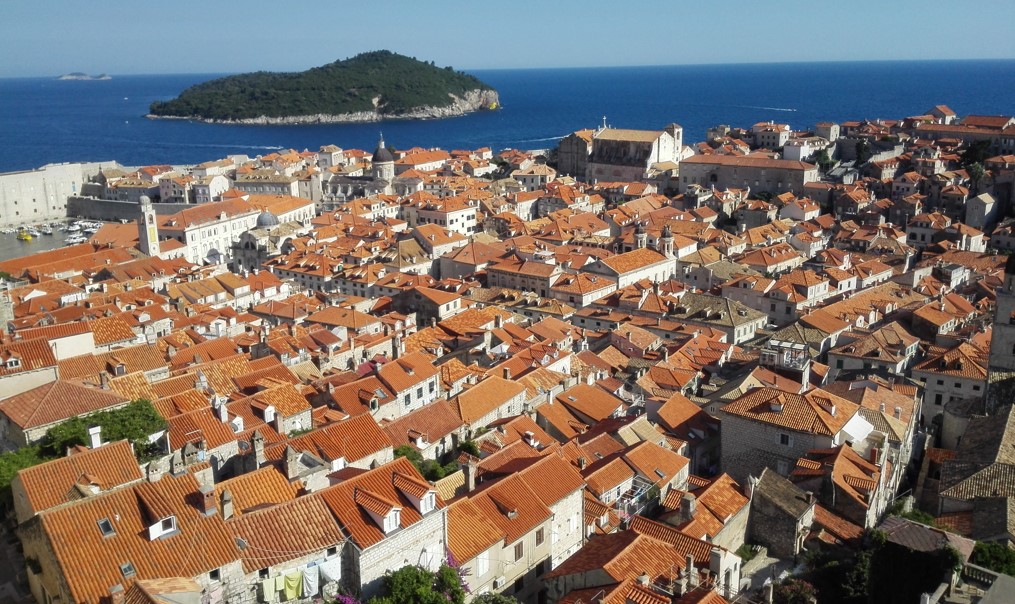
(44, 120)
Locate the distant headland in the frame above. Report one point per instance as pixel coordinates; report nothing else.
(77, 75)
(369, 87)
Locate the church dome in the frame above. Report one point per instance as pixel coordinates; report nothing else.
(381, 154)
(266, 219)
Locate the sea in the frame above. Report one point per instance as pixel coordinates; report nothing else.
(45, 120)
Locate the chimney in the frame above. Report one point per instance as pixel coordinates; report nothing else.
(770, 593)
(227, 504)
(208, 505)
(223, 413)
(176, 467)
(104, 380)
(469, 469)
(95, 436)
(498, 322)
(507, 373)
(898, 413)
(258, 443)
(692, 573)
(874, 454)
(582, 462)
(116, 594)
(643, 579)
(292, 463)
(809, 496)
(688, 506)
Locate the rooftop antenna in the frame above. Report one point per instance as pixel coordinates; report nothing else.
(604, 122)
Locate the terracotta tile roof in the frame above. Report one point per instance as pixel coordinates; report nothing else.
(298, 526)
(356, 522)
(512, 507)
(469, 532)
(839, 527)
(90, 561)
(816, 411)
(351, 439)
(160, 591)
(481, 399)
(601, 477)
(590, 401)
(433, 421)
(562, 420)
(261, 488)
(287, 399)
(552, 478)
(25, 355)
(133, 386)
(655, 463)
(407, 372)
(57, 401)
(110, 330)
(55, 482)
(201, 425)
(625, 592)
(627, 555)
(963, 360)
(344, 317)
(634, 260)
(854, 476)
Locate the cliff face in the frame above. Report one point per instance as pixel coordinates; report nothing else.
(470, 102)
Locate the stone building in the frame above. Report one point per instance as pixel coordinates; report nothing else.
(33, 196)
(769, 428)
(781, 514)
(758, 173)
(1001, 363)
(615, 154)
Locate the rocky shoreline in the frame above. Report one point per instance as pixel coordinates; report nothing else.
(470, 102)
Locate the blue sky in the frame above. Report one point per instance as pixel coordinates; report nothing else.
(50, 37)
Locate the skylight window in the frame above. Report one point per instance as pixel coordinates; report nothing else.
(127, 570)
(106, 527)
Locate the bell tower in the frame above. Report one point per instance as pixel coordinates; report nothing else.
(147, 229)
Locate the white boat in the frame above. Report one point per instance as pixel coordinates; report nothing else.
(73, 228)
(46, 230)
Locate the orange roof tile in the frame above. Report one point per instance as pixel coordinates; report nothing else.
(54, 482)
(57, 401)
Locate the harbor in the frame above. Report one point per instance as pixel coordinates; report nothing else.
(17, 242)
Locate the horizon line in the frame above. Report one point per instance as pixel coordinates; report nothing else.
(550, 67)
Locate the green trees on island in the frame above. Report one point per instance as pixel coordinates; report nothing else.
(398, 83)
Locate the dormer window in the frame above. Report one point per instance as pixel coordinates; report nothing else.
(165, 527)
(392, 520)
(427, 503)
(13, 363)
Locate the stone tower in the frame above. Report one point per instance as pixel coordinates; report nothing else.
(640, 237)
(383, 162)
(147, 229)
(1001, 366)
(666, 242)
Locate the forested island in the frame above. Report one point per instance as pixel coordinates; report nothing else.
(371, 86)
